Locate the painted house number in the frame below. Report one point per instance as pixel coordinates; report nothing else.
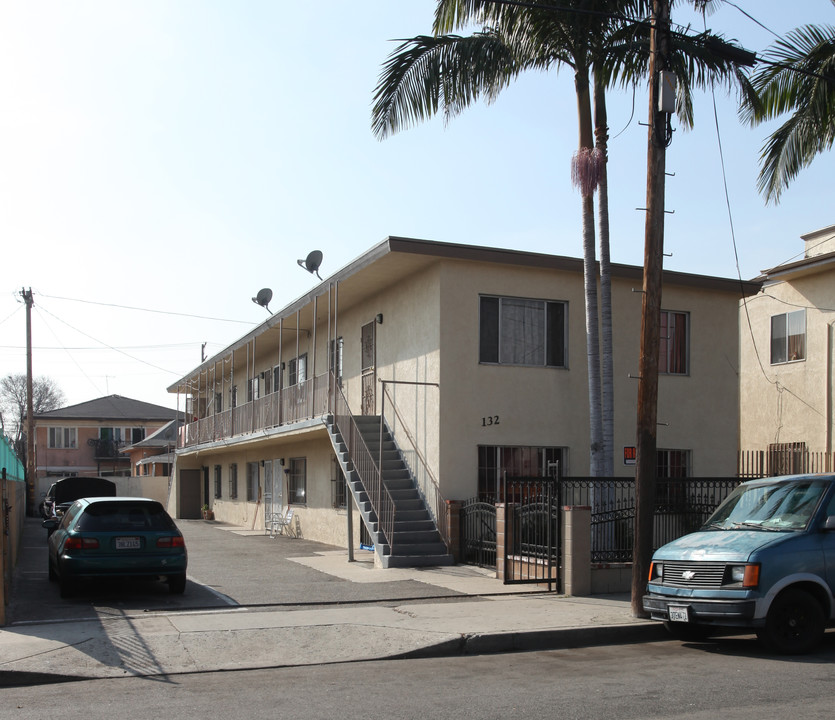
(488, 421)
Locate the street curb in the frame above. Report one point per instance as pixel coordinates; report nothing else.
(529, 641)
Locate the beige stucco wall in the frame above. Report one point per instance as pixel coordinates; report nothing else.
(789, 402)
(548, 406)
(438, 307)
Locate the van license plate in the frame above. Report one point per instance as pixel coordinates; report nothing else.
(678, 614)
(127, 543)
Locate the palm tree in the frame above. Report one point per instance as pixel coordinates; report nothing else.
(598, 38)
(799, 79)
(450, 71)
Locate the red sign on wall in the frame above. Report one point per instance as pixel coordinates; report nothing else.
(630, 455)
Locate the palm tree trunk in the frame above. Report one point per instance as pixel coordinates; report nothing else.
(601, 133)
(585, 177)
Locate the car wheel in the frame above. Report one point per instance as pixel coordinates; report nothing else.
(177, 584)
(688, 632)
(795, 623)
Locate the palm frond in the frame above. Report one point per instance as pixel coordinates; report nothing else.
(427, 73)
(799, 79)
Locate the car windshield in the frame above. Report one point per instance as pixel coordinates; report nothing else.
(775, 506)
(124, 516)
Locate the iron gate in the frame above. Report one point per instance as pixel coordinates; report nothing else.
(477, 520)
(532, 532)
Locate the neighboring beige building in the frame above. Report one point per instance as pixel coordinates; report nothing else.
(480, 355)
(786, 351)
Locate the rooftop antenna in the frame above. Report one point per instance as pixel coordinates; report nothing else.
(312, 262)
(263, 298)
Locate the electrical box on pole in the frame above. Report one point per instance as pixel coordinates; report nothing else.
(667, 83)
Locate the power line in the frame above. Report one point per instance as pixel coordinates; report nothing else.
(122, 352)
(159, 312)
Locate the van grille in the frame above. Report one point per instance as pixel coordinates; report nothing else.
(698, 575)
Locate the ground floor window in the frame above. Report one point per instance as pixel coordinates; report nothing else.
(515, 461)
(233, 481)
(339, 490)
(252, 481)
(218, 485)
(297, 481)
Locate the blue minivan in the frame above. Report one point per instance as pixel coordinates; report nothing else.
(764, 560)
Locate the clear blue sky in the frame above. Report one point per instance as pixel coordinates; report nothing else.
(179, 155)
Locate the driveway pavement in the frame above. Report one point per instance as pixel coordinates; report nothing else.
(253, 601)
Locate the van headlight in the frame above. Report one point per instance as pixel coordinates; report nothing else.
(745, 575)
(656, 571)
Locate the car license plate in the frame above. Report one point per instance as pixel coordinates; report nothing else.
(127, 543)
(678, 614)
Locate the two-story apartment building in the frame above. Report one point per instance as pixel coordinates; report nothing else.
(787, 342)
(89, 438)
(476, 357)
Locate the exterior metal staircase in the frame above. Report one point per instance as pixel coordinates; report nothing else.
(413, 537)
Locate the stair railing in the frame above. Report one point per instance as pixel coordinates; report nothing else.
(427, 484)
(367, 468)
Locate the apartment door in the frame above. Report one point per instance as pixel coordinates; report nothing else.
(369, 369)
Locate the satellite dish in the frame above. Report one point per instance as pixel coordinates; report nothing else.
(312, 262)
(263, 298)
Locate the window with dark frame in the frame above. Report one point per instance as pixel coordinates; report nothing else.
(520, 331)
(62, 438)
(297, 481)
(218, 482)
(252, 482)
(673, 337)
(233, 481)
(339, 494)
(517, 461)
(335, 359)
(788, 337)
(297, 370)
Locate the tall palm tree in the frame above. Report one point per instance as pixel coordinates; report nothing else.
(444, 70)
(799, 79)
(595, 38)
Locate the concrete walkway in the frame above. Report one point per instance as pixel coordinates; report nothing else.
(476, 614)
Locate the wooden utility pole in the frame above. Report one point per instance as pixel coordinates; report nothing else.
(646, 463)
(30, 413)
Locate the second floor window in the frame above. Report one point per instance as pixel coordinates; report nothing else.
(672, 354)
(517, 331)
(297, 370)
(63, 437)
(788, 337)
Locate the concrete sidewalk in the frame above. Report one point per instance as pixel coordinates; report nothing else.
(484, 616)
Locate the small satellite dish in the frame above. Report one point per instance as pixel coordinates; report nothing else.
(312, 262)
(263, 298)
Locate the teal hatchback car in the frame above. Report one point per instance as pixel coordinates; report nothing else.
(111, 537)
(764, 560)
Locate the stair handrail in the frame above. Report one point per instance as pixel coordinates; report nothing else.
(431, 491)
(369, 471)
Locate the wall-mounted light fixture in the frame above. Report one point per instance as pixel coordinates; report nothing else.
(379, 318)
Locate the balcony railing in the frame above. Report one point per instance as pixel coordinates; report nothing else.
(302, 401)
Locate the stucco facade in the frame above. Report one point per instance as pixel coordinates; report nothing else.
(786, 351)
(89, 439)
(409, 317)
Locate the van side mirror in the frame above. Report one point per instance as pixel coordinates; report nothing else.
(830, 523)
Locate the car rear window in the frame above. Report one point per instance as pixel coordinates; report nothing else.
(121, 516)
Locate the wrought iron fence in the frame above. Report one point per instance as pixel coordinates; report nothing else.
(682, 505)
